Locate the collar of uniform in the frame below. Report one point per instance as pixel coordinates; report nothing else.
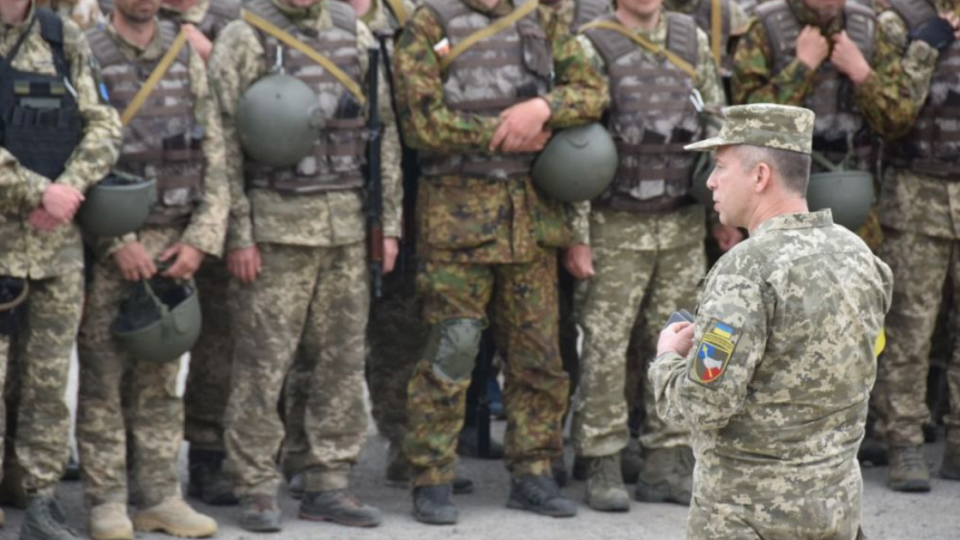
(503, 7)
(7, 30)
(806, 220)
(682, 6)
(301, 16)
(659, 33)
(133, 51)
(193, 15)
(807, 16)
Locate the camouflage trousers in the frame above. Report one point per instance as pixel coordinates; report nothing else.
(42, 349)
(121, 396)
(208, 382)
(627, 302)
(832, 513)
(317, 299)
(524, 299)
(921, 265)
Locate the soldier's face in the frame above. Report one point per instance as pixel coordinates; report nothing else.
(732, 187)
(640, 8)
(138, 11)
(826, 9)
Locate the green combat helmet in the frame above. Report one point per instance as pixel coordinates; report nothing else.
(847, 193)
(577, 164)
(13, 293)
(278, 119)
(159, 320)
(118, 205)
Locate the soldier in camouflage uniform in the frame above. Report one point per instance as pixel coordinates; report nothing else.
(477, 115)
(730, 19)
(183, 152)
(920, 234)
(43, 185)
(639, 246)
(296, 246)
(776, 389)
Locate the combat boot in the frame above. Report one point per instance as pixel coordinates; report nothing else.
(398, 473)
(605, 491)
(11, 487)
(908, 469)
(110, 522)
(950, 467)
(208, 482)
(433, 505)
(295, 486)
(540, 495)
(174, 516)
(260, 513)
(666, 476)
(340, 507)
(45, 520)
(631, 461)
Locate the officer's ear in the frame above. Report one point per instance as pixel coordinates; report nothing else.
(762, 177)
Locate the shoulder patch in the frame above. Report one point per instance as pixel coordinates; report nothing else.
(713, 353)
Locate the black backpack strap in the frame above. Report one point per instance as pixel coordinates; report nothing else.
(51, 29)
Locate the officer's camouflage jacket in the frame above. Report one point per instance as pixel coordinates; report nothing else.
(24, 250)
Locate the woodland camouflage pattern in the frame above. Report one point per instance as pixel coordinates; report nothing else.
(776, 386)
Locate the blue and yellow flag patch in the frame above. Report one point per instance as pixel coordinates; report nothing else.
(713, 353)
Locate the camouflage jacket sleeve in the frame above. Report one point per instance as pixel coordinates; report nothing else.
(739, 20)
(731, 301)
(100, 146)
(918, 59)
(390, 150)
(208, 225)
(753, 77)
(20, 188)
(236, 62)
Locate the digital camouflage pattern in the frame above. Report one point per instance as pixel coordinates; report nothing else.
(647, 266)
(775, 388)
(152, 414)
(921, 221)
(24, 250)
(524, 298)
(333, 218)
(317, 299)
(208, 18)
(766, 125)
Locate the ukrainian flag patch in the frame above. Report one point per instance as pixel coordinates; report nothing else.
(713, 353)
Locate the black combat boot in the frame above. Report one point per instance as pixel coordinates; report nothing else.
(434, 505)
(540, 495)
(45, 520)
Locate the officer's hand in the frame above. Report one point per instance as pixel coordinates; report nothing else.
(245, 263)
(727, 236)
(198, 40)
(578, 260)
(188, 260)
(520, 125)
(678, 338)
(61, 201)
(391, 247)
(41, 219)
(849, 60)
(134, 263)
(812, 47)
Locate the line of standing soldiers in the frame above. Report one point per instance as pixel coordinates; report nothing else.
(287, 311)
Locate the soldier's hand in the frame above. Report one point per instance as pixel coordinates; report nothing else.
(245, 264)
(134, 262)
(678, 338)
(198, 40)
(727, 236)
(391, 248)
(812, 47)
(848, 59)
(578, 260)
(188, 261)
(61, 201)
(41, 219)
(521, 126)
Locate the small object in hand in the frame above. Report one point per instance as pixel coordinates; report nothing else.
(679, 316)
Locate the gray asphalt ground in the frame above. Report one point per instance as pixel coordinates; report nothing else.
(886, 515)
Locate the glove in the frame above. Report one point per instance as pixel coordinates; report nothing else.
(938, 33)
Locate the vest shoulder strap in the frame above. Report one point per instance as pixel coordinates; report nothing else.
(611, 45)
(104, 49)
(782, 29)
(914, 12)
(168, 33)
(588, 10)
(343, 16)
(446, 11)
(861, 26)
(682, 37)
(224, 9)
(51, 30)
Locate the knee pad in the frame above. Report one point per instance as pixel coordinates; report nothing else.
(453, 348)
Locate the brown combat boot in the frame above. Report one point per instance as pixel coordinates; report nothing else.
(175, 517)
(666, 476)
(908, 469)
(605, 490)
(110, 522)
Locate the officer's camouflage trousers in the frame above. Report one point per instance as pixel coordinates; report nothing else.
(208, 382)
(152, 414)
(628, 300)
(317, 299)
(42, 351)
(524, 299)
(832, 513)
(921, 264)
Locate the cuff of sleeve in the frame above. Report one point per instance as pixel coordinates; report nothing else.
(114, 245)
(75, 181)
(197, 240)
(869, 88)
(392, 231)
(37, 185)
(240, 236)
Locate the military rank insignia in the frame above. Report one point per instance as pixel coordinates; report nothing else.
(713, 353)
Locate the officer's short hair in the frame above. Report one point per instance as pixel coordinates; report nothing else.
(793, 168)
